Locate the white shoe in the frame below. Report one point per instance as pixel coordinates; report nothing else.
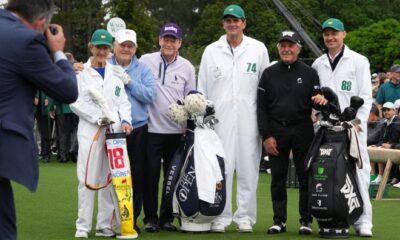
(364, 232)
(397, 185)
(106, 232)
(81, 234)
(377, 180)
(217, 227)
(244, 227)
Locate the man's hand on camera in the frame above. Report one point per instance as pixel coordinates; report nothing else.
(56, 42)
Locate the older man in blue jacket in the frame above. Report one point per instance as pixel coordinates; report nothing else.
(141, 91)
(25, 66)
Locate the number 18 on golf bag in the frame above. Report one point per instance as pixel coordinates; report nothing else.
(335, 199)
(122, 184)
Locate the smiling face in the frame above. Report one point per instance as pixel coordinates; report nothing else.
(233, 27)
(100, 53)
(333, 39)
(395, 78)
(124, 52)
(288, 51)
(169, 47)
(388, 113)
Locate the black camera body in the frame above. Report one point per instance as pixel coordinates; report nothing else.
(53, 30)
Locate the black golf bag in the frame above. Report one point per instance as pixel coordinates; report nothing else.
(335, 200)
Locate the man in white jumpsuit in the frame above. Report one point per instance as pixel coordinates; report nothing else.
(229, 73)
(347, 73)
(100, 76)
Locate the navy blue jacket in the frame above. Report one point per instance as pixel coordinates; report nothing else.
(25, 66)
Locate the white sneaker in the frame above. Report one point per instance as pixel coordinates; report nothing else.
(106, 232)
(81, 234)
(217, 227)
(397, 185)
(364, 232)
(377, 180)
(244, 227)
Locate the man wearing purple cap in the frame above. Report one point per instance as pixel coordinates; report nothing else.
(229, 73)
(174, 77)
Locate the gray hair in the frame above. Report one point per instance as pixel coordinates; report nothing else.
(32, 10)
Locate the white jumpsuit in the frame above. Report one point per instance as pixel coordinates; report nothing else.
(352, 77)
(230, 80)
(89, 112)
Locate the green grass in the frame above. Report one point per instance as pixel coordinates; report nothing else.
(50, 213)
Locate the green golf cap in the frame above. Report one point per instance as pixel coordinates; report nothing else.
(101, 37)
(333, 23)
(234, 11)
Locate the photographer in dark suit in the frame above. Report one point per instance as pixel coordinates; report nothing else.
(25, 66)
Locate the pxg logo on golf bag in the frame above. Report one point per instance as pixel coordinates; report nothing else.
(350, 195)
(325, 152)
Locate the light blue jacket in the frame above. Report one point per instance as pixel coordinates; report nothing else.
(141, 90)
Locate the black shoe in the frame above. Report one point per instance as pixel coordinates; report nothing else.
(63, 160)
(151, 227)
(305, 228)
(168, 226)
(73, 158)
(277, 228)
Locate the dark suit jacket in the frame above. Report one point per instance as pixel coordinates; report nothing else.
(25, 66)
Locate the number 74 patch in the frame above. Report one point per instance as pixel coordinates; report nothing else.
(251, 67)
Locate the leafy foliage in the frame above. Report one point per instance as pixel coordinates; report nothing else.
(371, 23)
(138, 18)
(79, 20)
(379, 42)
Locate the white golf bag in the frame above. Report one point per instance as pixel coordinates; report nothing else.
(195, 183)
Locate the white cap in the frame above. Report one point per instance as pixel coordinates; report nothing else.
(397, 104)
(124, 35)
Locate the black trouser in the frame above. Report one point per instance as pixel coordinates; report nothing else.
(296, 137)
(45, 125)
(137, 144)
(8, 228)
(160, 146)
(65, 134)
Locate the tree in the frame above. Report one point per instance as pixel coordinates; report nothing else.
(79, 20)
(379, 42)
(137, 17)
(263, 24)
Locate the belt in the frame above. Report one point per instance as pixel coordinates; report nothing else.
(288, 123)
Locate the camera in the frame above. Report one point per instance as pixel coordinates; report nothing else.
(53, 30)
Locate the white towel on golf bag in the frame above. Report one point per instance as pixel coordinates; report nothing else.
(354, 146)
(207, 146)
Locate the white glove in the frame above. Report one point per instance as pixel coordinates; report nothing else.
(104, 121)
(121, 74)
(99, 98)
